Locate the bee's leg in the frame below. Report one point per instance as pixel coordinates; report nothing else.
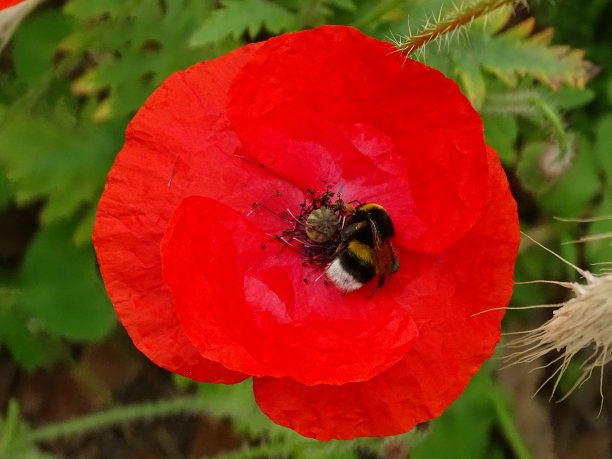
(348, 232)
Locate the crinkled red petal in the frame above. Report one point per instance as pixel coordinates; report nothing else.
(333, 105)
(443, 293)
(247, 306)
(179, 144)
(6, 3)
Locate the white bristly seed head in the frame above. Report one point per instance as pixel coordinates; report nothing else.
(582, 323)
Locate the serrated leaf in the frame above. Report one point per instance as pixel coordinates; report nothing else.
(31, 55)
(62, 163)
(86, 9)
(516, 53)
(240, 16)
(153, 43)
(61, 287)
(496, 20)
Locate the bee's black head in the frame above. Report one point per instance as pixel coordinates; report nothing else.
(378, 215)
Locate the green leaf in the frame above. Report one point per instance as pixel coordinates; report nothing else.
(348, 5)
(14, 436)
(62, 163)
(473, 84)
(29, 347)
(84, 227)
(602, 147)
(32, 56)
(529, 168)
(86, 9)
(516, 53)
(574, 192)
(237, 402)
(153, 43)
(531, 264)
(61, 287)
(599, 249)
(501, 132)
(463, 431)
(609, 90)
(6, 191)
(570, 98)
(240, 16)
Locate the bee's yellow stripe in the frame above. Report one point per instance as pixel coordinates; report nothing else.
(371, 206)
(362, 251)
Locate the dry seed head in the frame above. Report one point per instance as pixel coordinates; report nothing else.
(583, 322)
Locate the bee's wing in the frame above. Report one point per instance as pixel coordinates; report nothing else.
(375, 232)
(386, 260)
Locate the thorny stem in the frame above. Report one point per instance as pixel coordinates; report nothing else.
(453, 22)
(116, 416)
(527, 103)
(517, 102)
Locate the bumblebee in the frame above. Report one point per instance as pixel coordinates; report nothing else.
(365, 250)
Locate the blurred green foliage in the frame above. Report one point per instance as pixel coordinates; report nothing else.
(65, 101)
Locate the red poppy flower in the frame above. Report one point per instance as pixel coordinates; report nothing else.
(205, 291)
(6, 3)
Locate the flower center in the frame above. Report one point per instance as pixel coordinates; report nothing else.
(315, 232)
(352, 245)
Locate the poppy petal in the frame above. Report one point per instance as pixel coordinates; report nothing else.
(442, 292)
(179, 144)
(246, 305)
(7, 3)
(333, 105)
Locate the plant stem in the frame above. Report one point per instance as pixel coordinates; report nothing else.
(555, 123)
(254, 452)
(454, 21)
(517, 102)
(11, 424)
(506, 425)
(116, 416)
